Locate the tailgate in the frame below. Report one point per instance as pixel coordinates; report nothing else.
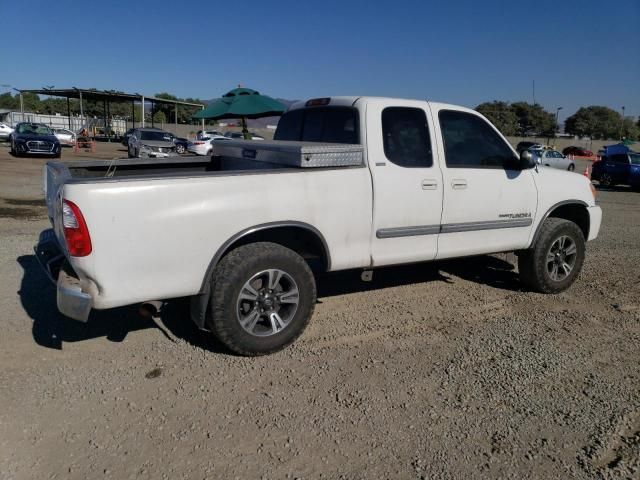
(55, 176)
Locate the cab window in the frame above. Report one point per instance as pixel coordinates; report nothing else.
(470, 142)
(405, 137)
(319, 124)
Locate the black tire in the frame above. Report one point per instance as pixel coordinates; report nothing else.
(180, 148)
(606, 180)
(533, 264)
(209, 152)
(571, 168)
(12, 150)
(229, 278)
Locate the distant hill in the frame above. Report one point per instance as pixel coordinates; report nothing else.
(263, 122)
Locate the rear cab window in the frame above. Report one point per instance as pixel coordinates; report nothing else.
(320, 124)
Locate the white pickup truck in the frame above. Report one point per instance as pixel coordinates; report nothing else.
(348, 183)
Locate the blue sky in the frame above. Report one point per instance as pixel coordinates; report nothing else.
(459, 51)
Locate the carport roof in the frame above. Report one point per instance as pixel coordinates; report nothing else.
(103, 95)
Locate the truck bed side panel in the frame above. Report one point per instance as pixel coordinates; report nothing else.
(153, 239)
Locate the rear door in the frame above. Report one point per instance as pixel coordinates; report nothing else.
(489, 203)
(407, 182)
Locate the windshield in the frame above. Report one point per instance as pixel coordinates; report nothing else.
(155, 136)
(635, 158)
(34, 129)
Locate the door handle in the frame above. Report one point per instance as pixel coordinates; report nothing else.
(429, 184)
(458, 183)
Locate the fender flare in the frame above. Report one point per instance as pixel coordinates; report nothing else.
(200, 301)
(549, 211)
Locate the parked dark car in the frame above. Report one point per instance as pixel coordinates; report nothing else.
(577, 151)
(522, 146)
(618, 169)
(34, 139)
(180, 143)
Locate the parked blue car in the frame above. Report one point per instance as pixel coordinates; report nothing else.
(618, 169)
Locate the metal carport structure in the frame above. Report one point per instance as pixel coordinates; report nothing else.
(107, 97)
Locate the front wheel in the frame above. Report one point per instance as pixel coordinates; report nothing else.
(180, 148)
(556, 258)
(606, 180)
(262, 298)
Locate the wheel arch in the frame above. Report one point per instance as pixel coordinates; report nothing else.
(301, 237)
(573, 210)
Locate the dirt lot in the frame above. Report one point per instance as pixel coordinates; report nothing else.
(444, 370)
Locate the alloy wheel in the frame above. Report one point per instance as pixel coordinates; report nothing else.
(267, 302)
(561, 258)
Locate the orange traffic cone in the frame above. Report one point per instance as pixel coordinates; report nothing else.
(587, 173)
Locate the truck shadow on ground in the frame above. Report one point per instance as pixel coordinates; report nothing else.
(52, 330)
(489, 270)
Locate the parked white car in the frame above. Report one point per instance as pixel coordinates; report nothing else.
(208, 134)
(553, 159)
(65, 136)
(204, 146)
(5, 131)
(385, 181)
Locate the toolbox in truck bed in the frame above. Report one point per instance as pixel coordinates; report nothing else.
(295, 154)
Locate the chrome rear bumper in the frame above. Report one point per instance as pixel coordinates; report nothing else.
(71, 300)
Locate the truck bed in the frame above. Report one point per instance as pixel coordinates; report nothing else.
(228, 156)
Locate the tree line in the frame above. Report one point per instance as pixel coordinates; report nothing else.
(522, 118)
(162, 113)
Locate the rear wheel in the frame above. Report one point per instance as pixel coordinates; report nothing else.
(180, 148)
(262, 298)
(571, 168)
(556, 259)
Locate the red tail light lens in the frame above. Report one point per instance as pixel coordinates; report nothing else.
(76, 232)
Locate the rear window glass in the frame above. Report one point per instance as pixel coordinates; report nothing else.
(326, 124)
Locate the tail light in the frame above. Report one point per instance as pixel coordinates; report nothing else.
(76, 232)
(199, 143)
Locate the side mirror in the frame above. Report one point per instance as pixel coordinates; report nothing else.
(527, 160)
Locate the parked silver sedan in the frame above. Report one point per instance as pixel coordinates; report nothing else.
(553, 159)
(66, 137)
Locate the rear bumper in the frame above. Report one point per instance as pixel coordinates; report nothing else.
(595, 219)
(72, 301)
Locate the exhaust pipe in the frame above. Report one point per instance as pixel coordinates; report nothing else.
(150, 309)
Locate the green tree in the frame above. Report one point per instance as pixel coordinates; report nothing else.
(595, 122)
(630, 129)
(10, 102)
(501, 115)
(159, 117)
(534, 118)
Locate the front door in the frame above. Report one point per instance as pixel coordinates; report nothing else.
(489, 203)
(407, 182)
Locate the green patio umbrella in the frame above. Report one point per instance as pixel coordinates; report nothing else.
(242, 103)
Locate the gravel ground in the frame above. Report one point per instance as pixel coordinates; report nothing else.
(444, 370)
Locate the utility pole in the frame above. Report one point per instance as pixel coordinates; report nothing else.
(622, 125)
(557, 127)
(533, 89)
